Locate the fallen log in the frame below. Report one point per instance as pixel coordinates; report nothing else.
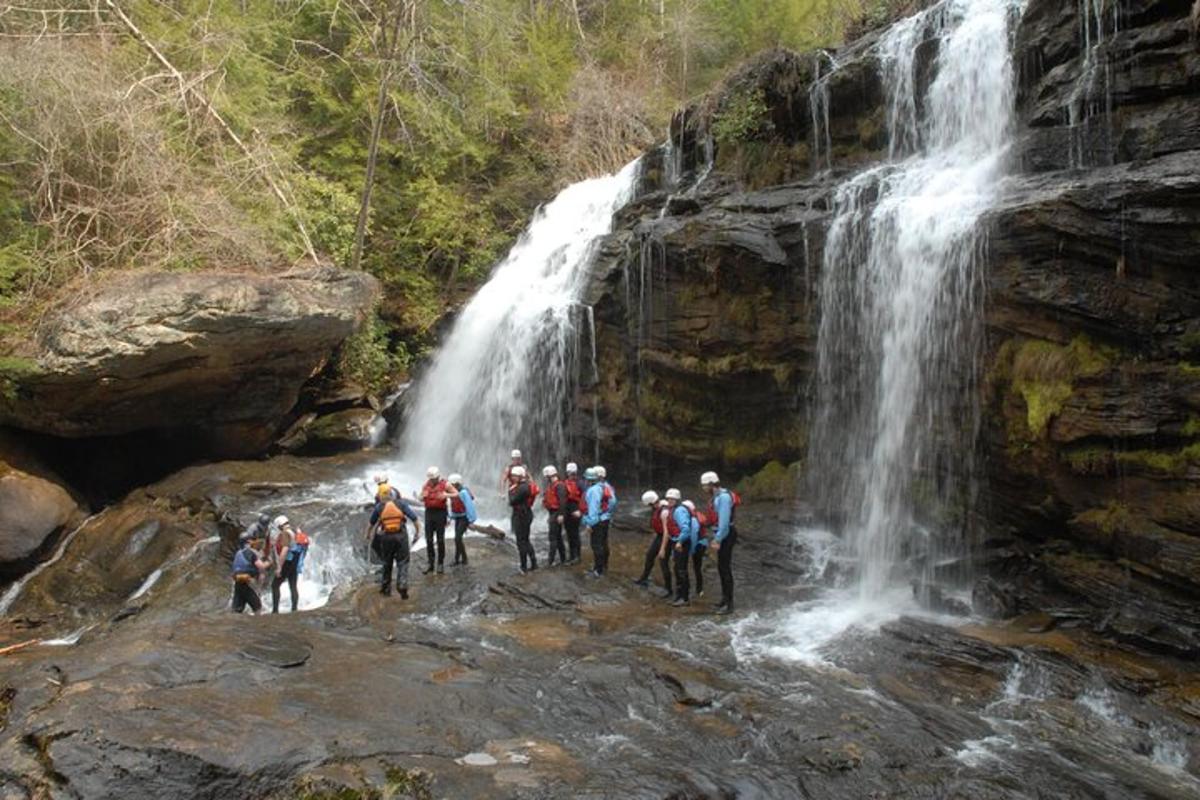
(488, 530)
(13, 648)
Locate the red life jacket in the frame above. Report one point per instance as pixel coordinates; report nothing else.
(433, 495)
(605, 497)
(672, 525)
(574, 491)
(712, 518)
(550, 499)
(301, 539)
(456, 505)
(533, 493)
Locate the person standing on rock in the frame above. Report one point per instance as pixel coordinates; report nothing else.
(391, 541)
(699, 546)
(462, 511)
(554, 500)
(384, 490)
(515, 460)
(248, 565)
(721, 508)
(600, 502)
(521, 495)
(285, 557)
(573, 514)
(658, 516)
(435, 496)
(678, 528)
(261, 529)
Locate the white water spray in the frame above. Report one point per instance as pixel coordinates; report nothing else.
(901, 294)
(506, 372)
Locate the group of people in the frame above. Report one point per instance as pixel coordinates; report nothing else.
(270, 552)
(682, 534)
(444, 500)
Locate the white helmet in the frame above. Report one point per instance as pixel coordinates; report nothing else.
(650, 497)
(516, 454)
(280, 521)
(433, 472)
(709, 479)
(549, 471)
(572, 468)
(674, 494)
(601, 472)
(455, 479)
(517, 472)
(689, 505)
(380, 478)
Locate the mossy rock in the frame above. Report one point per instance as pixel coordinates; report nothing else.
(773, 482)
(1044, 374)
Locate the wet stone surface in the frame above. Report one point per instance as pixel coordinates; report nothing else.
(486, 683)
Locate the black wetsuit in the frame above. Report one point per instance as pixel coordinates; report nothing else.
(572, 522)
(664, 563)
(286, 573)
(522, 521)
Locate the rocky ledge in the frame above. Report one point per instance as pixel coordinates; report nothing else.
(490, 684)
(223, 355)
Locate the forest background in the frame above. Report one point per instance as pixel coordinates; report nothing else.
(240, 134)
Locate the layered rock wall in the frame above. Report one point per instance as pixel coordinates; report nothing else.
(706, 315)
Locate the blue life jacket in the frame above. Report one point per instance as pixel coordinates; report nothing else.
(468, 503)
(243, 562)
(683, 520)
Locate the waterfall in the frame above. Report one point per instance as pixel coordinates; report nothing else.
(901, 295)
(506, 372)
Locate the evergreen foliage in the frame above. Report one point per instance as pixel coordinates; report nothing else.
(489, 107)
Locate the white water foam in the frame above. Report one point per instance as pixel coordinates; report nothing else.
(504, 375)
(901, 293)
(812, 632)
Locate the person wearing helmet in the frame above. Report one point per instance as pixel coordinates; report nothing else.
(462, 511)
(248, 564)
(574, 511)
(554, 500)
(521, 495)
(678, 528)
(720, 517)
(600, 501)
(436, 494)
(259, 530)
(390, 541)
(515, 460)
(384, 490)
(699, 546)
(655, 551)
(284, 566)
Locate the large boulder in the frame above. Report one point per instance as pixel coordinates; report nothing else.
(222, 353)
(32, 511)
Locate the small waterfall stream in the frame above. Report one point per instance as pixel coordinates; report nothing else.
(502, 377)
(901, 296)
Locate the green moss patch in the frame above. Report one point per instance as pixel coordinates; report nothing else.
(773, 482)
(1044, 374)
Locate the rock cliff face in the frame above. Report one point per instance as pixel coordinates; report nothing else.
(706, 319)
(223, 353)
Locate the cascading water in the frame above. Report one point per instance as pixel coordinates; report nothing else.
(502, 380)
(506, 371)
(901, 294)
